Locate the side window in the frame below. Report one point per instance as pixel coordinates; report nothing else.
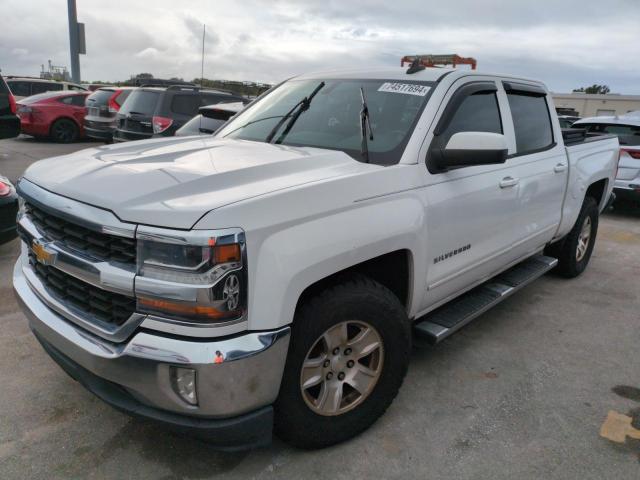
(627, 134)
(66, 100)
(213, 99)
(531, 121)
(20, 89)
(78, 100)
(185, 104)
(477, 113)
(41, 87)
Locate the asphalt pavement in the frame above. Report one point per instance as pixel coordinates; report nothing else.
(523, 392)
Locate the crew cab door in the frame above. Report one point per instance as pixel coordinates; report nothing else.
(541, 166)
(471, 210)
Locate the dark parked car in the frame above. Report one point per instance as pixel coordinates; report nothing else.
(55, 115)
(158, 112)
(8, 210)
(210, 119)
(9, 121)
(102, 107)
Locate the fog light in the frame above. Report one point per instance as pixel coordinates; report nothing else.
(183, 381)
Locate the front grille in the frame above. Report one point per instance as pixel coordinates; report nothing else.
(97, 245)
(108, 307)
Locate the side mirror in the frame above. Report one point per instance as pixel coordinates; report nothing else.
(474, 148)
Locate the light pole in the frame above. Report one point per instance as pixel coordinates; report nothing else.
(76, 40)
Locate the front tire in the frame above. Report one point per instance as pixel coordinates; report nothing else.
(574, 252)
(348, 355)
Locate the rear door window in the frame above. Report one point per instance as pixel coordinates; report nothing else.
(20, 89)
(531, 122)
(141, 102)
(186, 104)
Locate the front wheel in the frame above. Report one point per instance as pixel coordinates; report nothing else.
(574, 252)
(347, 358)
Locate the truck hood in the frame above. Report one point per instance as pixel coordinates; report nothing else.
(173, 182)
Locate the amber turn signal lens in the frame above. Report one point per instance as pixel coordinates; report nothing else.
(181, 309)
(226, 253)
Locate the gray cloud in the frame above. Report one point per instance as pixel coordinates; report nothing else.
(566, 43)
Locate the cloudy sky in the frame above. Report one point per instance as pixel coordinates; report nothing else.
(565, 43)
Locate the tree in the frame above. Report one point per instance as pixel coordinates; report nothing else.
(593, 89)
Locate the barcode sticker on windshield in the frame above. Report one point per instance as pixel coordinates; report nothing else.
(407, 88)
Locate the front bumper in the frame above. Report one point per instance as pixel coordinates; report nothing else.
(234, 396)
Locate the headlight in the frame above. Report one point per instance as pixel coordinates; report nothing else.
(197, 276)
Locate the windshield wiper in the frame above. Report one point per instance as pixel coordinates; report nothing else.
(364, 123)
(298, 108)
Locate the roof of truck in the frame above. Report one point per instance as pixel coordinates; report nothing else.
(400, 73)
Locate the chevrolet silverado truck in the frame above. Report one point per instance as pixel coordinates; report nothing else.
(270, 278)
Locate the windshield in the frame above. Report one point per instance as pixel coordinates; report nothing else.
(333, 119)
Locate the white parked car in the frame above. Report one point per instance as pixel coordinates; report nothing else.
(272, 275)
(210, 118)
(23, 87)
(627, 129)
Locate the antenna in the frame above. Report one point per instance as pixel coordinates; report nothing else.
(204, 30)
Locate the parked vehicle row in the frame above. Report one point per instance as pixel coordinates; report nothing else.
(122, 113)
(152, 112)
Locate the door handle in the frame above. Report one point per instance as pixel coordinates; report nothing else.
(560, 167)
(507, 182)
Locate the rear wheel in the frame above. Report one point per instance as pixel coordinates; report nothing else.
(574, 252)
(347, 358)
(64, 130)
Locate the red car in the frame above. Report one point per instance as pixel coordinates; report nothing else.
(55, 115)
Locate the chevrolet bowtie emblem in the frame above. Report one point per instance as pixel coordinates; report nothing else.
(43, 254)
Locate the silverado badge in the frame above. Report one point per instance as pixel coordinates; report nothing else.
(43, 254)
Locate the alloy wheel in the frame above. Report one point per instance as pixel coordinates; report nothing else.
(342, 368)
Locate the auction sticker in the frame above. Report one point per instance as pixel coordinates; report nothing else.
(406, 88)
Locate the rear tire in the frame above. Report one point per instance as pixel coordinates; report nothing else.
(574, 252)
(342, 312)
(64, 130)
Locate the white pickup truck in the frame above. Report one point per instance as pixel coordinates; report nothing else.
(271, 277)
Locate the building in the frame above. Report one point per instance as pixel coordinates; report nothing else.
(595, 105)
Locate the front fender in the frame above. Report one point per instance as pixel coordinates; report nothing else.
(287, 261)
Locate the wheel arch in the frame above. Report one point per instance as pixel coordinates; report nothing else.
(597, 190)
(393, 270)
(65, 117)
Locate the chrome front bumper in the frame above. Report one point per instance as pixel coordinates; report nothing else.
(247, 379)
